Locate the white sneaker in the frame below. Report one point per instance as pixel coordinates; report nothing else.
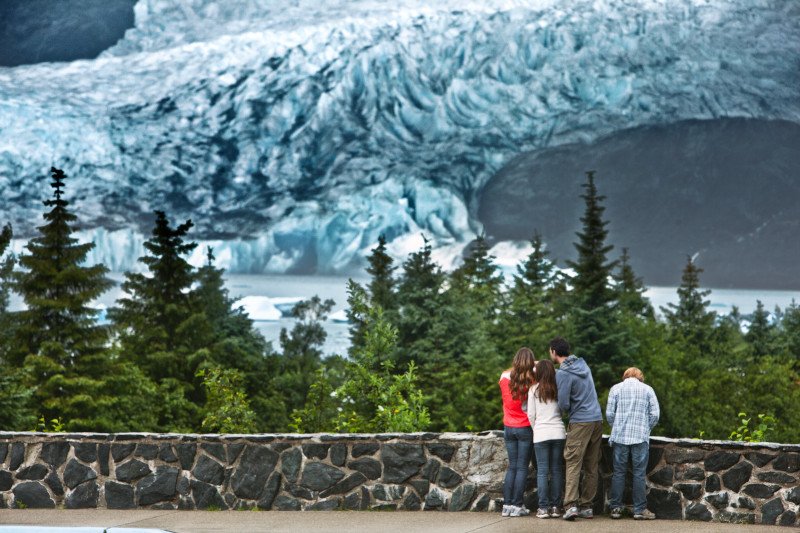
(542, 513)
(518, 511)
(506, 510)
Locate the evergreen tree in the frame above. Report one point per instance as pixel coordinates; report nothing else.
(789, 335)
(689, 319)
(6, 281)
(761, 334)
(594, 330)
(478, 280)
(630, 290)
(382, 284)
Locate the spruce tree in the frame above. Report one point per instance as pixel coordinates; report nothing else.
(630, 290)
(690, 320)
(58, 336)
(382, 283)
(478, 280)
(761, 334)
(593, 318)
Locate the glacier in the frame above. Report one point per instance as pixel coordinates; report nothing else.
(295, 132)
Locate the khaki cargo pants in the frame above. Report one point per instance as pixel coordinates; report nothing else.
(582, 450)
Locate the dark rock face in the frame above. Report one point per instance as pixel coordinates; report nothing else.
(759, 490)
(215, 450)
(346, 485)
(435, 500)
(789, 518)
(737, 476)
(713, 483)
(33, 495)
(18, 455)
(776, 477)
(166, 454)
(102, 458)
(720, 501)
(720, 460)
(132, 470)
(448, 478)
(208, 471)
(698, 511)
(158, 486)
(186, 453)
(683, 455)
(421, 486)
(794, 495)
(369, 467)
(85, 451)
(789, 462)
(320, 476)
(442, 451)
(315, 450)
(290, 464)
(207, 496)
(85, 496)
(54, 483)
(233, 452)
(745, 503)
(431, 470)
(34, 472)
(759, 459)
(352, 502)
(666, 504)
(6, 480)
(482, 504)
(76, 473)
(121, 451)
(119, 495)
(285, 503)
(771, 510)
(401, 461)
(364, 448)
(662, 476)
(54, 453)
(462, 497)
(249, 478)
(146, 451)
(691, 491)
(412, 502)
(654, 457)
(694, 474)
(270, 491)
(736, 518)
(338, 454)
(3, 451)
(325, 505)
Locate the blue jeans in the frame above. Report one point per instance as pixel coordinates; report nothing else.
(549, 474)
(638, 455)
(519, 442)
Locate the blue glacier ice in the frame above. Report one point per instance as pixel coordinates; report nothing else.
(293, 133)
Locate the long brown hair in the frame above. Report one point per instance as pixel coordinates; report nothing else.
(546, 378)
(522, 376)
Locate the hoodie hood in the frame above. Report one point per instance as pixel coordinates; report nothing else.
(575, 366)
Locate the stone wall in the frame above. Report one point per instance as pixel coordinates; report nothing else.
(687, 479)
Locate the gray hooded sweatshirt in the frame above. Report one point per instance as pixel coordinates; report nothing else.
(576, 393)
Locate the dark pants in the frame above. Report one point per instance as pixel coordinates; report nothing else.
(549, 474)
(638, 455)
(519, 442)
(582, 450)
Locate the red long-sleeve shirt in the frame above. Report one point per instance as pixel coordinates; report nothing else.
(513, 415)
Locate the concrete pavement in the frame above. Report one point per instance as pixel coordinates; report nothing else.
(355, 522)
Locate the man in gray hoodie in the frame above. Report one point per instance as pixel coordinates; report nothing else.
(577, 398)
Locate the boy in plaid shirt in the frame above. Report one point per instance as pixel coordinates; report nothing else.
(632, 411)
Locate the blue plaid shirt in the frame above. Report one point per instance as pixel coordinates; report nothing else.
(632, 411)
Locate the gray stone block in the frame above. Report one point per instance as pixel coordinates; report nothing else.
(737, 476)
(448, 478)
(215, 450)
(54, 483)
(291, 460)
(789, 518)
(208, 471)
(233, 452)
(431, 470)
(482, 503)
(720, 460)
(285, 503)
(412, 502)
(85, 496)
(713, 483)
(759, 459)
(364, 448)
(338, 454)
(694, 474)
(462, 497)
(132, 470)
(32, 494)
(794, 496)
(54, 453)
(270, 491)
(315, 450)
(443, 451)
(119, 495)
(736, 518)
(690, 491)
(76, 473)
(166, 454)
(666, 504)
(146, 451)
(320, 476)
(771, 510)
(788, 462)
(720, 501)
(744, 502)
(85, 451)
(776, 477)
(121, 451)
(33, 472)
(186, 453)
(683, 455)
(346, 485)
(17, 455)
(103, 451)
(250, 477)
(401, 461)
(662, 476)
(6, 480)
(352, 502)
(760, 490)
(3, 451)
(698, 511)
(435, 500)
(207, 496)
(367, 466)
(157, 486)
(325, 505)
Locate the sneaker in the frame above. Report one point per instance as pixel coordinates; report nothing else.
(506, 510)
(585, 513)
(542, 513)
(555, 512)
(571, 514)
(644, 515)
(616, 512)
(519, 511)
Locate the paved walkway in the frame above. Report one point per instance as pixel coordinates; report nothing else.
(353, 521)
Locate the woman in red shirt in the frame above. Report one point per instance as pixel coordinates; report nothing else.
(514, 385)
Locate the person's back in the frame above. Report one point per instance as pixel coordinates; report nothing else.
(577, 396)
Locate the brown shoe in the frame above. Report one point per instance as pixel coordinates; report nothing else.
(644, 515)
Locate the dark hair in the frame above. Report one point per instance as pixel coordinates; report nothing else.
(522, 373)
(560, 346)
(546, 378)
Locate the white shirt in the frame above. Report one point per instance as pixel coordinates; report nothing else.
(545, 418)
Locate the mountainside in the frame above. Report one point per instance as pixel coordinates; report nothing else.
(726, 190)
(294, 133)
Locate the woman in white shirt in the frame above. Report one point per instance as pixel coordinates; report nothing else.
(548, 439)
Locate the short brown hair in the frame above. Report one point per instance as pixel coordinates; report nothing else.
(633, 372)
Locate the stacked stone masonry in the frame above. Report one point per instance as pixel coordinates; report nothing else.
(687, 479)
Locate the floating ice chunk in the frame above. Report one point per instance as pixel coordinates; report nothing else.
(260, 308)
(339, 316)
